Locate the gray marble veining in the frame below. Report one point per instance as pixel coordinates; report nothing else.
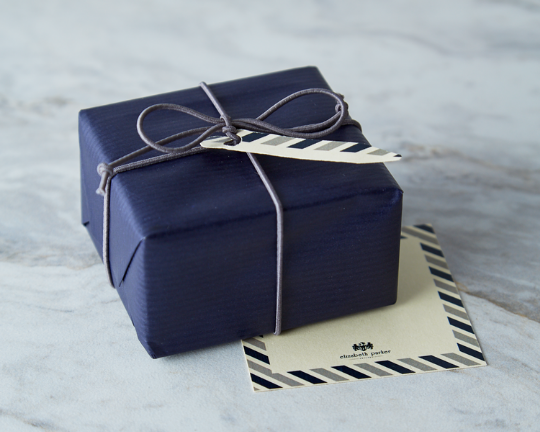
(451, 86)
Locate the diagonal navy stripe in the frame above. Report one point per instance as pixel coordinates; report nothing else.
(256, 354)
(351, 372)
(307, 377)
(395, 367)
(460, 325)
(425, 228)
(403, 237)
(471, 352)
(304, 144)
(252, 137)
(438, 362)
(261, 381)
(431, 250)
(450, 299)
(441, 274)
(355, 148)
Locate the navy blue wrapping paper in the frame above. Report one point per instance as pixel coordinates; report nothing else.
(193, 240)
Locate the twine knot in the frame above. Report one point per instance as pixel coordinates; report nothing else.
(229, 130)
(105, 171)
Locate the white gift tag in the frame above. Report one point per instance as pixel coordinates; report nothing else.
(308, 149)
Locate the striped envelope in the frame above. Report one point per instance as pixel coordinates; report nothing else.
(427, 330)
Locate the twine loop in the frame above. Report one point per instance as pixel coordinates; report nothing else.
(229, 130)
(229, 127)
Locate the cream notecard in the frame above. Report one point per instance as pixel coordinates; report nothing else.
(427, 330)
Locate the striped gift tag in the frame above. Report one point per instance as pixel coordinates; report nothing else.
(307, 149)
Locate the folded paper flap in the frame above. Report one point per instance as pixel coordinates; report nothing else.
(161, 197)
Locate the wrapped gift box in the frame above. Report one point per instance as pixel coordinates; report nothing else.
(193, 240)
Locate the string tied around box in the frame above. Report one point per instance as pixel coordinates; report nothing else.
(228, 127)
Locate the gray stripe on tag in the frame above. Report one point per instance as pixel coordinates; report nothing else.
(456, 312)
(329, 374)
(461, 359)
(277, 141)
(436, 261)
(466, 338)
(331, 145)
(278, 377)
(417, 364)
(445, 286)
(255, 342)
(379, 152)
(373, 369)
(420, 235)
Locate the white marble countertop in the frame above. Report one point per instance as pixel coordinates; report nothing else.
(453, 86)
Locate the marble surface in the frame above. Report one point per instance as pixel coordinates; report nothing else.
(453, 86)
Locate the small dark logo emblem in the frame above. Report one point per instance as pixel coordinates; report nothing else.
(362, 346)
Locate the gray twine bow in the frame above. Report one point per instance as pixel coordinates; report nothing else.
(228, 127)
